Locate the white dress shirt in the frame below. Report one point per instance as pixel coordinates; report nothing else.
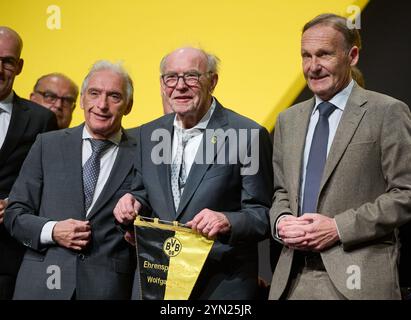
(6, 107)
(193, 144)
(106, 165)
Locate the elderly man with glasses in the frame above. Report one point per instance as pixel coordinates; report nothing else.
(205, 181)
(56, 92)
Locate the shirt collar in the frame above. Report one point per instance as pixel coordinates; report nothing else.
(339, 100)
(202, 124)
(115, 138)
(7, 104)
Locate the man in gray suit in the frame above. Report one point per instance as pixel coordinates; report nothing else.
(342, 172)
(219, 193)
(61, 205)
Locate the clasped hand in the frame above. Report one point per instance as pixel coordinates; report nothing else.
(311, 231)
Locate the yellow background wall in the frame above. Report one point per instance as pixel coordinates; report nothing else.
(258, 42)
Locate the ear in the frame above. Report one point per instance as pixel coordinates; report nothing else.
(33, 96)
(213, 80)
(129, 106)
(354, 55)
(19, 66)
(82, 101)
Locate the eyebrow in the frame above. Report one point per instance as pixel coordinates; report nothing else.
(188, 71)
(9, 57)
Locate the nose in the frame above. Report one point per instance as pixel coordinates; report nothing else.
(181, 84)
(315, 65)
(102, 102)
(58, 104)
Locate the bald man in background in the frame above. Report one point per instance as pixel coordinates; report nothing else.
(20, 122)
(56, 92)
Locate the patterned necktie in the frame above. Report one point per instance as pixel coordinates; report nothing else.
(317, 158)
(91, 169)
(178, 169)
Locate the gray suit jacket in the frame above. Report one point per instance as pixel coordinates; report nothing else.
(50, 188)
(365, 187)
(231, 269)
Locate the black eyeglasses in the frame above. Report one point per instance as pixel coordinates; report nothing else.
(51, 97)
(190, 78)
(9, 63)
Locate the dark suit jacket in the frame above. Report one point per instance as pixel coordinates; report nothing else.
(27, 120)
(231, 269)
(50, 188)
(366, 188)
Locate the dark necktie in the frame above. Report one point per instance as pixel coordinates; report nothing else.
(91, 169)
(317, 158)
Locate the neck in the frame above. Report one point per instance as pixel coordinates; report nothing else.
(5, 95)
(189, 120)
(101, 135)
(328, 97)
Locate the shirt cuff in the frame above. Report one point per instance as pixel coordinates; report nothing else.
(46, 235)
(276, 225)
(338, 231)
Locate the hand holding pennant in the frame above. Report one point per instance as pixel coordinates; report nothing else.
(170, 258)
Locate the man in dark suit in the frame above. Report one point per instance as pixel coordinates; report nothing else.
(342, 172)
(20, 122)
(211, 187)
(61, 206)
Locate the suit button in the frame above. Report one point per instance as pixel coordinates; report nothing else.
(81, 257)
(27, 243)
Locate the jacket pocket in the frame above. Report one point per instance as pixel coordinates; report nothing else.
(360, 145)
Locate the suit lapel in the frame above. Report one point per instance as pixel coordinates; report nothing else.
(217, 121)
(164, 173)
(121, 168)
(351, 117)
(295, 157)
(20, 117)
(71, 151)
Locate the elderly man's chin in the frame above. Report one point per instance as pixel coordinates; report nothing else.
(320, 88)
(101, 129)
(183, 108)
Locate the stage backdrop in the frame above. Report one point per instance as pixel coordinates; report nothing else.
(257, 41)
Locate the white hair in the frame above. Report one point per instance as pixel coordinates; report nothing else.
(114, 67)
(212, 61)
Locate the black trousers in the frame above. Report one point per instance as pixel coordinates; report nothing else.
(7, 283)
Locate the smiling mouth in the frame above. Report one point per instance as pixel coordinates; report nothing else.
(182, 98)
(317, 78)
(103, 117)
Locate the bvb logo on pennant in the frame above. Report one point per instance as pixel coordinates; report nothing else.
(172, 247)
